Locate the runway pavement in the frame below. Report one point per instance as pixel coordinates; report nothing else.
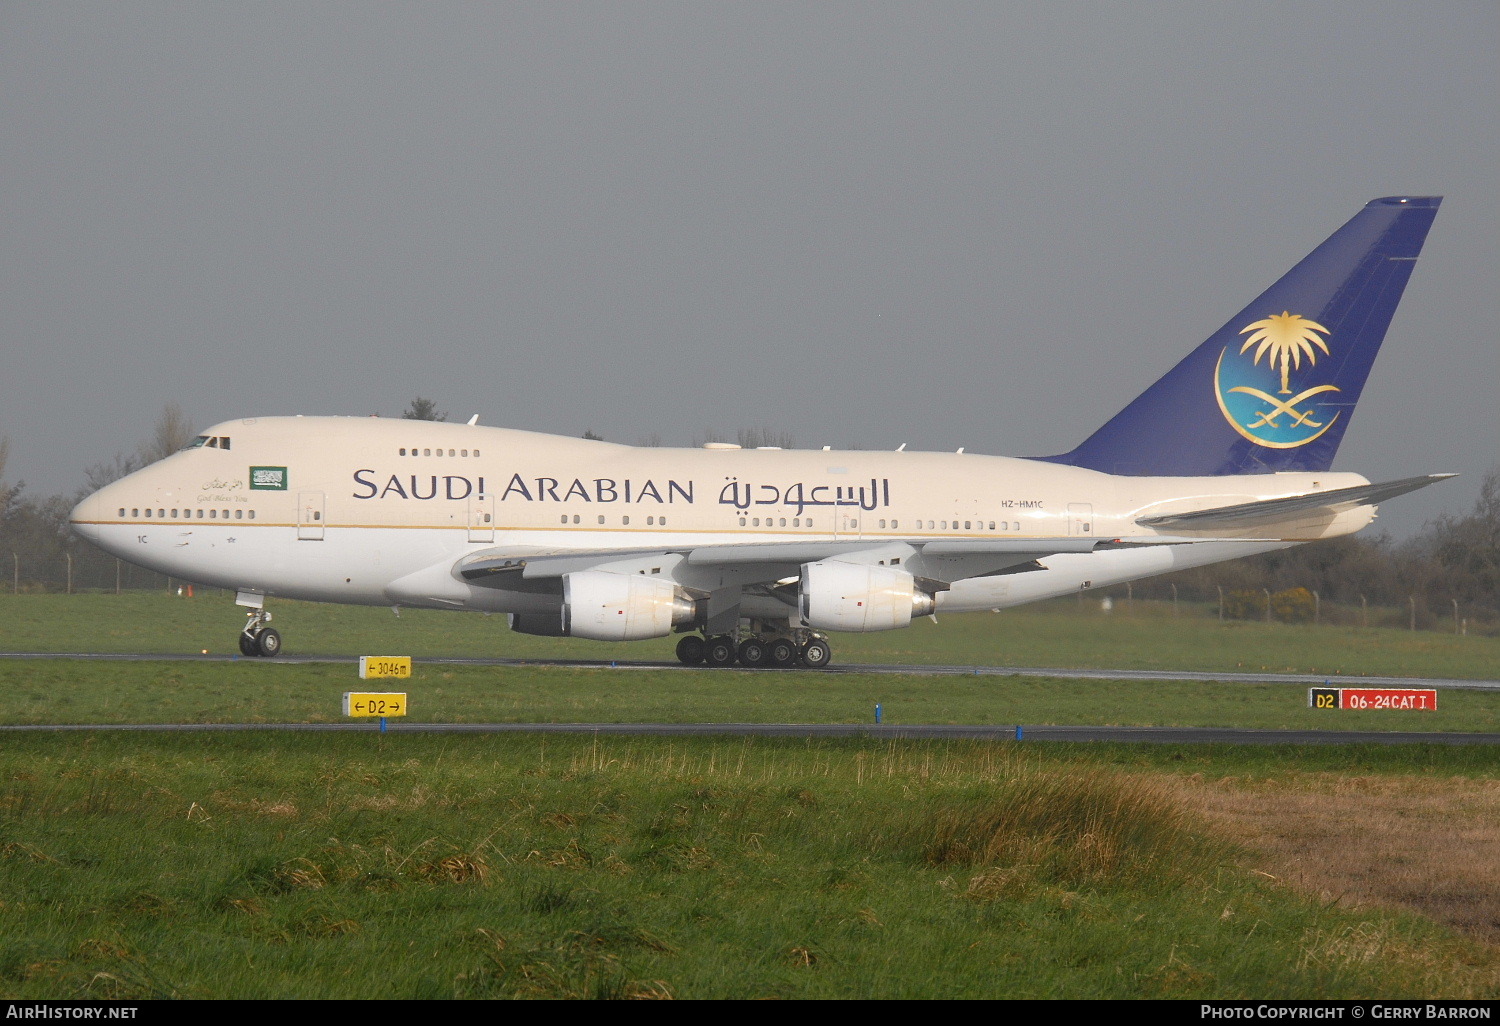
(1060, 673)
(1010, 732)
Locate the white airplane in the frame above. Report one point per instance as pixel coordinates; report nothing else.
(754, 554)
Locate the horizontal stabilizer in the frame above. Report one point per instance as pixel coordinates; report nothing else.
(1335, 501)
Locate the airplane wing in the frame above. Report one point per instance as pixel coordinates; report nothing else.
(939, 562)
(1245, 514)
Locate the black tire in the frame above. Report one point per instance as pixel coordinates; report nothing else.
(268, 642)
(720, 651)
(782, 652)
(753, 652)
(816, 654)
(247, 645)
(690, 650)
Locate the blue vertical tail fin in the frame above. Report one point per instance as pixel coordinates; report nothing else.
(1274, 388)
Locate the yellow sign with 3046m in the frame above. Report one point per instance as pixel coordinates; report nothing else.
(375, 703)
(384, 666)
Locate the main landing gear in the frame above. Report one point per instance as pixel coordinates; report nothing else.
(801, 648)
(257, 639)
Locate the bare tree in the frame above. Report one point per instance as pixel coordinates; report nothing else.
(712, 436)
(593, 435)
(423, 409)
(173, 432)
(8, 492)
(764, 438)
(97, 475)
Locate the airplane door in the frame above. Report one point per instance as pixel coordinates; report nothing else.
(309, 516)
(1080, 519)
(481, 518)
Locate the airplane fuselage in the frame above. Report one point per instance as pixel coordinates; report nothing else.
(374, 511)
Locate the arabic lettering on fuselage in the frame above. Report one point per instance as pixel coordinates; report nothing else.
(743, 495)
(519, 489)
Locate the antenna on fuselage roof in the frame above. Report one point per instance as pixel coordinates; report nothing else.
(473, 420)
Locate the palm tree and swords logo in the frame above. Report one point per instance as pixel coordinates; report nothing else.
(1282, 419)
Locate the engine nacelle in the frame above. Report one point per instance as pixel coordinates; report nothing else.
(859, 597)
(622, 607)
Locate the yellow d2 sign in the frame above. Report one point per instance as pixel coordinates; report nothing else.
(384, 666)
(375, 703)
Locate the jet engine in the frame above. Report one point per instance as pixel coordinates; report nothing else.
(859, 597)
(623, 607)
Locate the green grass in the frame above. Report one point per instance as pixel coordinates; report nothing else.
(259, 865)
(1144, 636)
(409, 866)
(268, 691)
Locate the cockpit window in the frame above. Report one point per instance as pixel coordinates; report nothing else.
(209, 442)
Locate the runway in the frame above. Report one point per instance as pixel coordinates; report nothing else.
(917, 669)
(1022, 733)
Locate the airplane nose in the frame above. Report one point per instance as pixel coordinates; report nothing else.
(85, 518)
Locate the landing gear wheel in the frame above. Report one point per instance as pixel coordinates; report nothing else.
(690, 650)
(816, 654)
(257, 639)
(268, 642)
(720, 651)
(753, 652)
(782, 652)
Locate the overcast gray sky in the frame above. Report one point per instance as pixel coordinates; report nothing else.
(986, 225)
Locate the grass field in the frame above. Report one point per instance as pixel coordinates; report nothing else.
(422, 866)
(1144, 636)
(267, 691)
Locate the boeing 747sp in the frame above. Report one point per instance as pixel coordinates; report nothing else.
(755, 555)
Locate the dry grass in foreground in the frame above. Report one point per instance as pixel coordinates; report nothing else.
(1428, 845)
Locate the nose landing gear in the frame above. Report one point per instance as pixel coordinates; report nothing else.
(257, 639)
